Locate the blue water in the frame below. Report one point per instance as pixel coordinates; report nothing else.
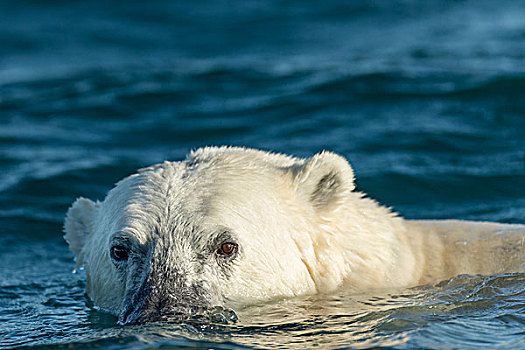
(425, 98)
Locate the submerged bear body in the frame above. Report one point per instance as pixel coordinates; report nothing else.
(233, 225)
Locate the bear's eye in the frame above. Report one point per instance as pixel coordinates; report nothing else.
(226, 249)
(119, 253)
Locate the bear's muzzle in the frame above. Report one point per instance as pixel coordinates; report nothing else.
(173, 300)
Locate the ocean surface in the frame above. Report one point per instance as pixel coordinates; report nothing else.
(425, 98)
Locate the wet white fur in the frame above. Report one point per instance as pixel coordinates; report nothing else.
(293, 240)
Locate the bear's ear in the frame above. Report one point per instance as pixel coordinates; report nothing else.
(78, 226)
(324, 180)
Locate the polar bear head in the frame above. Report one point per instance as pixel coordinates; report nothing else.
(224, 226)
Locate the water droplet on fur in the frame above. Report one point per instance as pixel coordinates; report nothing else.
(461, 243)
(79, 269)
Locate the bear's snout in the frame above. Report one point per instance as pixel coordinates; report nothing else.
(167, 312)
(163, 299)
(172, 311)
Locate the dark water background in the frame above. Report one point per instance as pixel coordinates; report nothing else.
(425, 98)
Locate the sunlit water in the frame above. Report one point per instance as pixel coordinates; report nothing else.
(426, 99)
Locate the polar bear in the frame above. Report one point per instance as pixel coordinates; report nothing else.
(230, 225)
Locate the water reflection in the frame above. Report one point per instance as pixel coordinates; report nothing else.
(348, 320)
